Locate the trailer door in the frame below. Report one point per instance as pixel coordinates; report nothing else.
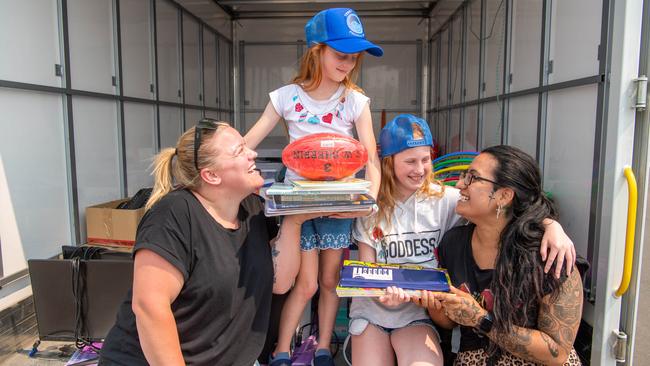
(634, 323)
(621, 142)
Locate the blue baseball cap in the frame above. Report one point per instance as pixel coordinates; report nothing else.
(341, 29)
(402, 133)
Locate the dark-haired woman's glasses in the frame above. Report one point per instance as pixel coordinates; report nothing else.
(204, 124)
(468, 178)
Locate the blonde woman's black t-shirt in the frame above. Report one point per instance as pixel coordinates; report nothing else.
(222, 311)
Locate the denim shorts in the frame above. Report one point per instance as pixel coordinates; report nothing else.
(358, 325)
(326, 233)
(426, 322)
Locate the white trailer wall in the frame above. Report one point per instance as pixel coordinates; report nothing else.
(89, 92)
(531, 79)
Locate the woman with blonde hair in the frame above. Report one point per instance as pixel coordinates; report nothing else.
(206, 259)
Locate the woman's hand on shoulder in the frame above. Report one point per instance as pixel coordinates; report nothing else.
(394, 297)
(557, 248)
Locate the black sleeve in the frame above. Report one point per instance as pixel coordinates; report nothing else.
(165, 230)
(272, 226)
(272, 223)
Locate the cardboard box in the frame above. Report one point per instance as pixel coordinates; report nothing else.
(106, 224)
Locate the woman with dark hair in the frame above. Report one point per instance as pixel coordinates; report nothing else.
(509, 310)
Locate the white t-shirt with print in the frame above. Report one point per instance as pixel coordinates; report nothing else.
(413, 237)
(306, 116)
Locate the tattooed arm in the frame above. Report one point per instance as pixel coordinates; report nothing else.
(285, 251)
(558, 321)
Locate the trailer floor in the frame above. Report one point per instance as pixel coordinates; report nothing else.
(49, 353)
(52, 353)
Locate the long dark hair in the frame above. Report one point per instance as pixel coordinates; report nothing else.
(519, 282)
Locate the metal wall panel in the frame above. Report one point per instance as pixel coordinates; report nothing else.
(494, 42)
(210, 84)
(171, 126)
(98, 169)
(456, 66)
(92, 50)
(473, 58)
(391, 81)
(568, 164)
(491, 128)
(30, 49)
(140, 145)
(522, 123)
(33, 177)
(191, 61)
(168, 45)
(575, 36)
(527, 16)
(470, 129)
(137, 50)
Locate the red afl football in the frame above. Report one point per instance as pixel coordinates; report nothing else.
(325, 156)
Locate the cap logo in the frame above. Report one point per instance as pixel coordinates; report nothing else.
(417, 131)
(418, 136)
(354, 24)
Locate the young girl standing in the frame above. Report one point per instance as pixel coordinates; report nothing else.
(322, 98)
(414, 212)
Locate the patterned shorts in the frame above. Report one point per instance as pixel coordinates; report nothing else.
(326, 233)
(479, 357)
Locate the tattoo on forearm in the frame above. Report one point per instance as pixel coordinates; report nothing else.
(552, 346)
(517, 343)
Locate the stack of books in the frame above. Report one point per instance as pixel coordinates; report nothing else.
(364, 279)
(304, 196)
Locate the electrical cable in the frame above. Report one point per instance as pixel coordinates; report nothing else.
(78, 291)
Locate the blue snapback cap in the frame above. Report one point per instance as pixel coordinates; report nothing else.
(402, 133)
(341, 29)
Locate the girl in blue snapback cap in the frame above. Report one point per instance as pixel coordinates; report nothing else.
(415, 211)
(322, 98)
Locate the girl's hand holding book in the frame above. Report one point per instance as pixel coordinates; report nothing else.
(394, 297)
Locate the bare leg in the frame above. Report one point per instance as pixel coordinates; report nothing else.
(328, 302)
(416, 345)
(372, 347)
(305, 287)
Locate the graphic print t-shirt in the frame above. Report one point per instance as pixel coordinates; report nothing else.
(306, 116)
(413, 236)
